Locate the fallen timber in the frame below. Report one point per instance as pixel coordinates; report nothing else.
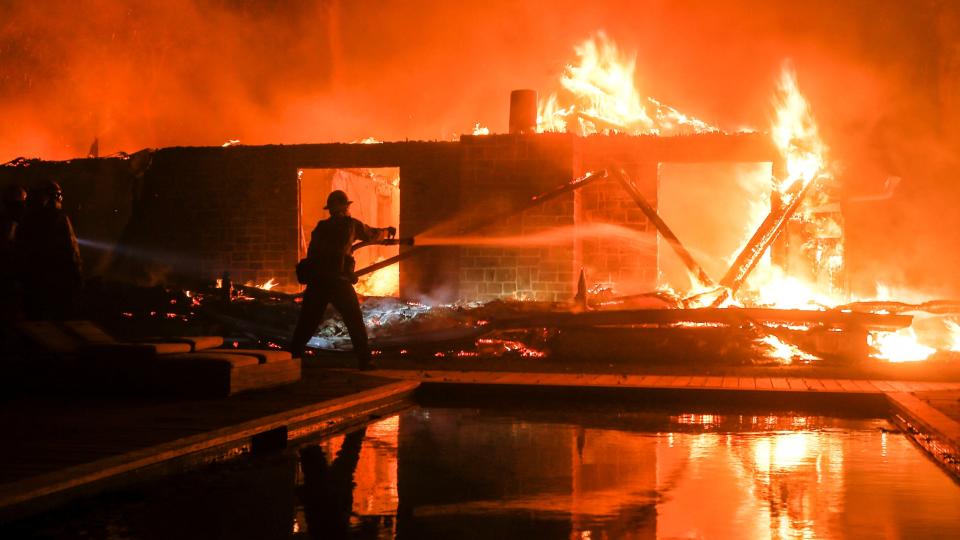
(728, 316)
(936, 307)
(766, 233)
(692, 266)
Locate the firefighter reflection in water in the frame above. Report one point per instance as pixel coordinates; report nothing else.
(328, 273)
(49, 257)
(327, 491)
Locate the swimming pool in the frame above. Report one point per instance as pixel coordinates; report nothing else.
(586, 473)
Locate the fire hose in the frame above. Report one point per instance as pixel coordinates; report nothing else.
(386, 262)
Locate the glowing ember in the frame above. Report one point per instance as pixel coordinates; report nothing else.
(900, 346)
(600, 95)
(497, 347)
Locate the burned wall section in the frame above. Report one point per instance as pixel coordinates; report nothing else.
(499, 174)
(203, 212)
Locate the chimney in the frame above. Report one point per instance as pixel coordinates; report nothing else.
(523, 112)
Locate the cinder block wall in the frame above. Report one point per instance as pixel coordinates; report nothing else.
(628, 262)
(501, 173)
(205, 211)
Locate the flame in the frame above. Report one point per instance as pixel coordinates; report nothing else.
(480, 130)
(796, 136)
(600, 95)
(783, 351)
(383, 282)
(774, 288)
(795, 133)
(899, 346)
(267, 285)
(954, 330)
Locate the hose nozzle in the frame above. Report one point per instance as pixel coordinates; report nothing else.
(398, 242)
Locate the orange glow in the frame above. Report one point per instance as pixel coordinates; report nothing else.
(266, 285)
(480, 130)
(954, 329)
(900, 346)
(383, 282)
(600, 95)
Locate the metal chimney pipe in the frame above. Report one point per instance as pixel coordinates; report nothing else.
(523, 112)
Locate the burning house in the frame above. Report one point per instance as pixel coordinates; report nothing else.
(595, 191)
(580, 311)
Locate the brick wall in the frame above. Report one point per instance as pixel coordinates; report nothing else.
(627, 260)
(500, 173)
(189, 214)
(204, 211)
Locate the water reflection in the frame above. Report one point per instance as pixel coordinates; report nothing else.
(438, 473)
(574, 474)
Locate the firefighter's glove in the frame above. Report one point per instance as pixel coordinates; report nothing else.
(391, 232)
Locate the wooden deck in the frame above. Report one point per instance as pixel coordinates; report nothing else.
(771, 384)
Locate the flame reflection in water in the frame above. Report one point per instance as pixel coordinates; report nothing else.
(648, 476)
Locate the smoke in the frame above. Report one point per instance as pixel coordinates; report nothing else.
(882, 78)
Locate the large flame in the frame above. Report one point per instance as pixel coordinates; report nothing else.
(600, 95)
(795, 133)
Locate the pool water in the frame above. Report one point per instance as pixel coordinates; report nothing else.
(434, 472)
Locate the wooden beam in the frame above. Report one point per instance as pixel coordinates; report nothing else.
(731, 316)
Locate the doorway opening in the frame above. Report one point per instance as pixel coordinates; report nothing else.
(375, 193)
(713, 208)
